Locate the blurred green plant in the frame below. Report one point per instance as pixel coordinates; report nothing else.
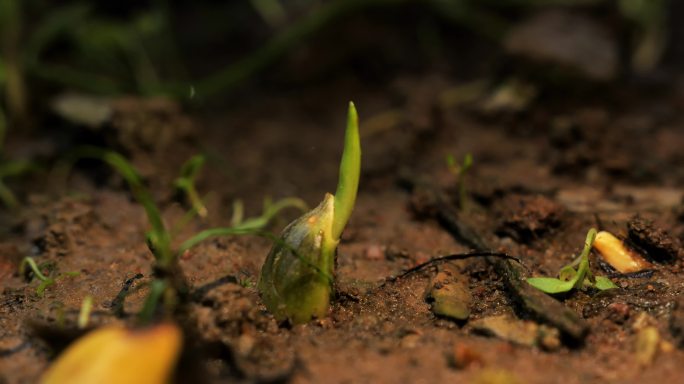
(168, 284)
(460, 171)
(30, 269)
(139, 54)
(12, 168)
(650, 21)
(186, 183)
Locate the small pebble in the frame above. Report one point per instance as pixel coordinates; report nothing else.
(375, 252)
(465, 356)
(618, 312)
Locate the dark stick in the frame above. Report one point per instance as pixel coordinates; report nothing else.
(531, 300)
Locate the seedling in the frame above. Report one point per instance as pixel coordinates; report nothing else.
(296, 280)
(569, 277)
(45, 281)
(460, 170)
(186, 183)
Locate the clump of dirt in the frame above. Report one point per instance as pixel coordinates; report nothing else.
(526, 218)
(656, 242)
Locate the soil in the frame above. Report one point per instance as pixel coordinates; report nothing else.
(541, 178)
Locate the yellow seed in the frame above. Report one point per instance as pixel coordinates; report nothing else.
(618, 255)
(114, 354)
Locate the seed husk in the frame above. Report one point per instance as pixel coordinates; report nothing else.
(618, 255)
(114, 354)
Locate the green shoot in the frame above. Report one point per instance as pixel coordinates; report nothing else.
(350, 170)
(84, 313)
(460, 172)
(45, 281)
(31, 263)
(569, 277)
(186, 183)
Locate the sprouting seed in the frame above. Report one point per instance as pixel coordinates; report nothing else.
(618, 255)
(296, 279)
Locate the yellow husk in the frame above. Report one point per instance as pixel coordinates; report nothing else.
(114, 354)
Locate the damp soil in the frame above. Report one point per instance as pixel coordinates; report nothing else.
(540, 179)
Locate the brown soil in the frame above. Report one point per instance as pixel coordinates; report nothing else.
(536, 187)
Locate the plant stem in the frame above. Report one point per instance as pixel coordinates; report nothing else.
(157, 288)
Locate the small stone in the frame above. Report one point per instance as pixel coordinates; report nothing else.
(677, 323)
(465, 356)
(618, 312)
(375, 252)
(449, 293)
(521, 332)
(245, 344)
(643, 320)
(410, 341)
(646, 345)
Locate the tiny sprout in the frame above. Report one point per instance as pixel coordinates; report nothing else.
(45, 281)
(186, 183)
(616, 253)
(569, 278)
(296, 279)
(84, 314)
(460, 171)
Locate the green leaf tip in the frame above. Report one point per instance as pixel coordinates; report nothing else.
(350, 171)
